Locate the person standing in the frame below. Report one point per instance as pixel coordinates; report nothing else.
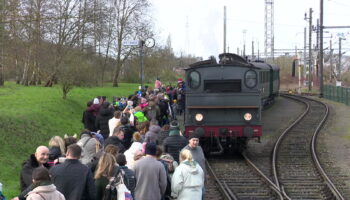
(43, 187)
(188, 178)
(106, 169)
(175, 142)
(72, 178)
(104, 115)
(40, 158)
(150, 175)
(196, 150)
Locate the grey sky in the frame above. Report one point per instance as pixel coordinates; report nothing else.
(204, 34)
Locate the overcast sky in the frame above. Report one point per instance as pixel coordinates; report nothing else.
(196, 26)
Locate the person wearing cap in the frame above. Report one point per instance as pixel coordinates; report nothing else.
(150, 175)
(196, 150)
(174, 142)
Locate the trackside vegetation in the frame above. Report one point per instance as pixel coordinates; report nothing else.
(30, 116)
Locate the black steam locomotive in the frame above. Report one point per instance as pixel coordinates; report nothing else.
(224, 100)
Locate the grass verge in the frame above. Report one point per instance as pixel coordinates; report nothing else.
(30, 116)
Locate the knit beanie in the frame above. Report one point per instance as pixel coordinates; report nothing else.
(151, 149)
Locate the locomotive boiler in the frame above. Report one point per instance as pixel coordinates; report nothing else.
(224, 101)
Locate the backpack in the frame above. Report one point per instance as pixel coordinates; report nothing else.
(116, 189)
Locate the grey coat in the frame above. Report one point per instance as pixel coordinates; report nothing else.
(151, 179)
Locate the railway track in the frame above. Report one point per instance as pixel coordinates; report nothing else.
(238, 178)
(296, 169)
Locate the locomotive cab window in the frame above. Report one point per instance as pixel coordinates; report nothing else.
(194, 79)
(250, 79)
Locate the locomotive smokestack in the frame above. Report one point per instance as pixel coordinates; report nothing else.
(224, 29)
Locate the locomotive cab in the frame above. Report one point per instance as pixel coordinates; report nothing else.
(223, 103)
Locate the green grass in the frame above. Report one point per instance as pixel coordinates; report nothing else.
(30, 116)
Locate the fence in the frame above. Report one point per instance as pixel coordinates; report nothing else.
(337, 93)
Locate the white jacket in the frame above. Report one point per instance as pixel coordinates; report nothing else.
(187, 181)
(47, 192)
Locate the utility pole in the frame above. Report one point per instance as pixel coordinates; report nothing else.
(252, 49)
(339, 64)
(304, 55)
(244, 33)
(310, 50)
(224, 29)
(331, 61)
(321, 48)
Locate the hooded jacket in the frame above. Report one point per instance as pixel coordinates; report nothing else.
(47, 192)
(187, 181)
(152, 134)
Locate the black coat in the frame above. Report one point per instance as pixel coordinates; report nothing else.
(74, 180)
(128, 132)
(174, 144)
(27, 171)
(89, 120)
(117, 142)
(104, 115)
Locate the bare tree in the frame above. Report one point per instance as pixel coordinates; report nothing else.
(131, 23)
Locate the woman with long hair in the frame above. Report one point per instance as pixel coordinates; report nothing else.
(188, 179)
(56, 149)
(106, 169)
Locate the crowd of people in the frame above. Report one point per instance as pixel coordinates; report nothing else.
(134, 141)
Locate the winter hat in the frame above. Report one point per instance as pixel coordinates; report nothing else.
(174, 125)
(99, 137)
(194, 135)
(96, 101)
(151, 149)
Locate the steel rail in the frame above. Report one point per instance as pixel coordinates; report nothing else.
(223, 187)
(324, 175)
(274, 154)
(330, 184)
(266, 179)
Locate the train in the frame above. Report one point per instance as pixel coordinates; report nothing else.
(225, 99)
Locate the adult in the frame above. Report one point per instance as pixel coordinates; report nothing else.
(104, 115)
(88, 146)
(175, 142)
(117, 139)
(112, 149)
(89, 117)
(43, 187)
(157, 84)
(196, 150)
(114, 122)
(150, 175)
(106, 169)
(134, 150)
(128, 131)
(164, 133)
(56, 149)
(129, 175)
(188, 179)
(38, 159)
(152, 134)
(72, 178)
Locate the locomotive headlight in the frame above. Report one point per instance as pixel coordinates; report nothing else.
(199, 117)
(247, 116)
